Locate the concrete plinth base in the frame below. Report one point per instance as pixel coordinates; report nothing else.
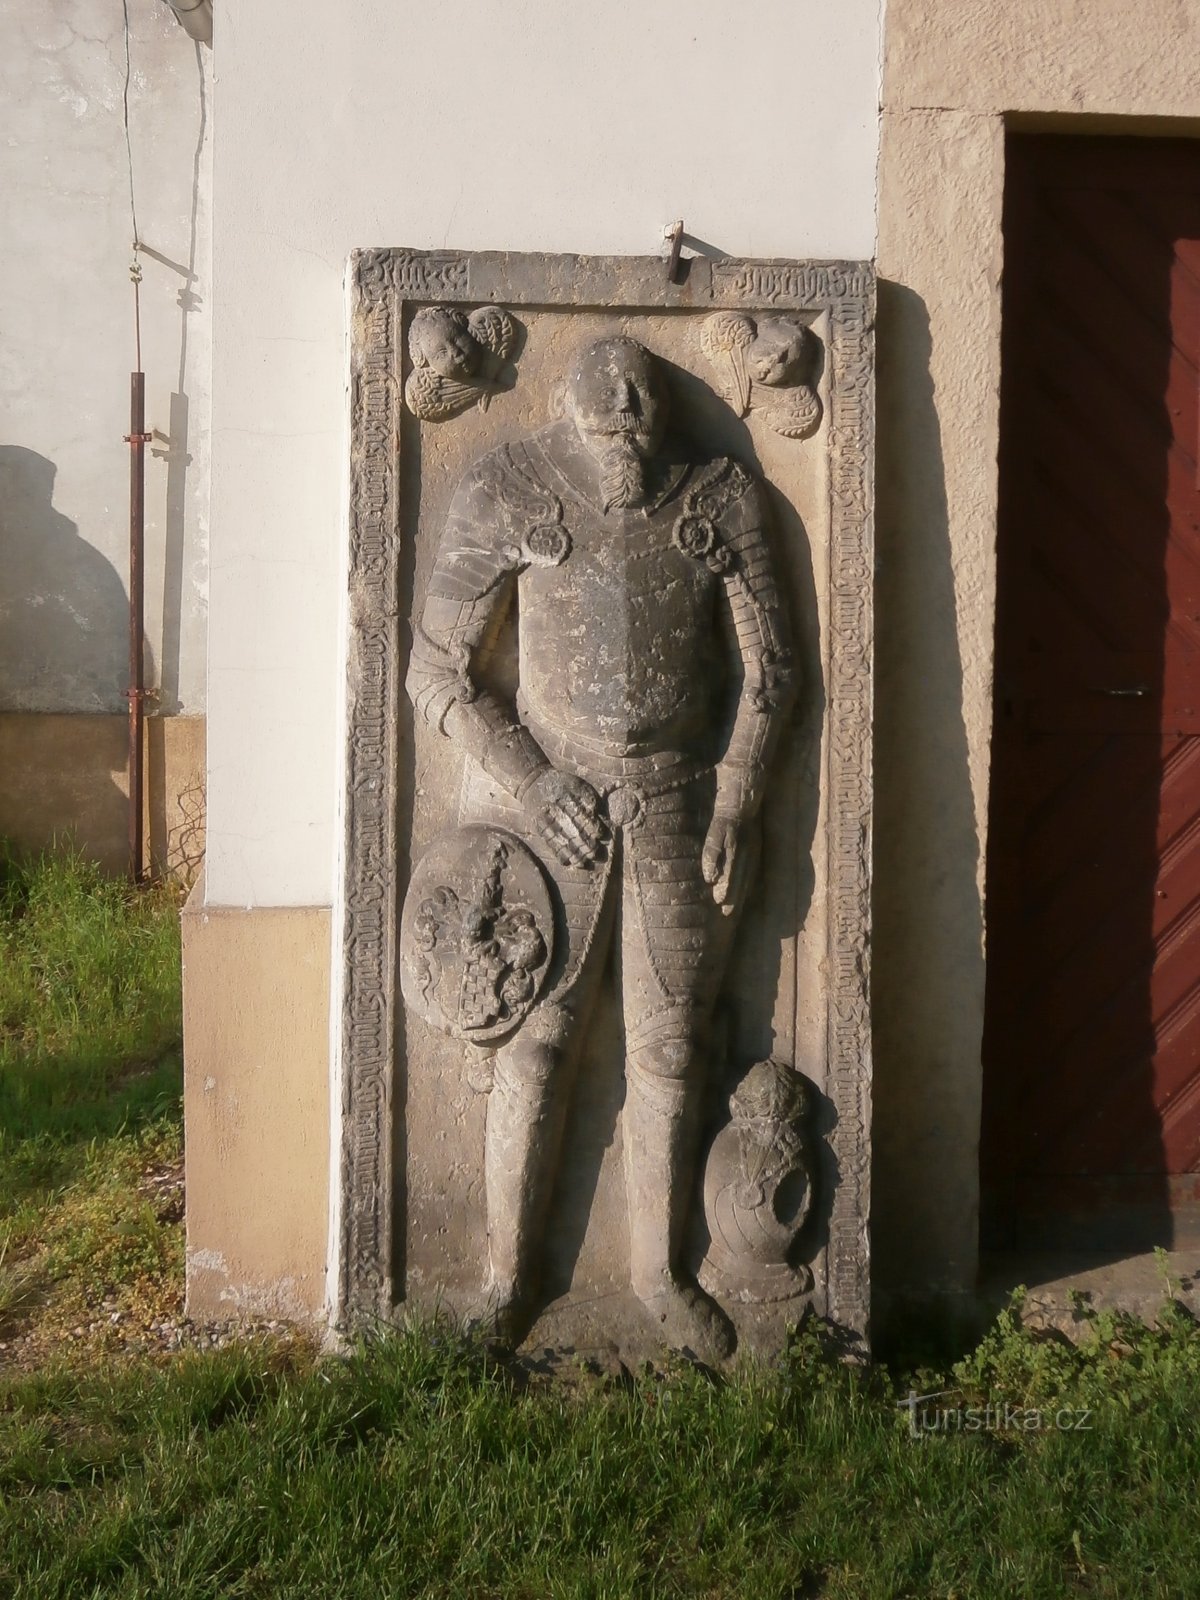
(256, 1108)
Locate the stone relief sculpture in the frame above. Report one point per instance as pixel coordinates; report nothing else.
(457, 359)
(758, 1188)
(766, 365)
(612, 800)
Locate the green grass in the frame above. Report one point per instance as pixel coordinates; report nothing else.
(418, 1466)
(90, 1079)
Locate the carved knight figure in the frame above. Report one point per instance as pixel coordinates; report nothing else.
(654, 678)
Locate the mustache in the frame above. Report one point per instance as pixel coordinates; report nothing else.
(621, 422)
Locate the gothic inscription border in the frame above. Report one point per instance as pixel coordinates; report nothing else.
(381, 281)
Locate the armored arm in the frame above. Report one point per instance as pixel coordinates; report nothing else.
(466, 601)
(498, 522)
(757, 618)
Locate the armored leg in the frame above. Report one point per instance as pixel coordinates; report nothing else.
(661, 1129)
(673, 948)
(525, 1116)
(531, 1080)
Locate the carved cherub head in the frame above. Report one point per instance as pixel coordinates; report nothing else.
(767, 366)
(442, 340)
(457, 359)
(780, 354)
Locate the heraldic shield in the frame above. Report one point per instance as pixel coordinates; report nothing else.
(476, 935)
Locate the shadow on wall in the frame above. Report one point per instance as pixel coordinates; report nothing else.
(173, 447)
(64, 615)
(927, 962)
(64, 628)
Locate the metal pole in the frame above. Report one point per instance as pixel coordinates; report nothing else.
(136, 439)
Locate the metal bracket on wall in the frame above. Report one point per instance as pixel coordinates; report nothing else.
(675, 234)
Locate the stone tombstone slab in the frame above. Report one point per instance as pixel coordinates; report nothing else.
(605, 1047)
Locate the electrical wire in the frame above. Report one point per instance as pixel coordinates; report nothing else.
(135, 267)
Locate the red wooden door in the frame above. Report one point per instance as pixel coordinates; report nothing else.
(1091, 1124)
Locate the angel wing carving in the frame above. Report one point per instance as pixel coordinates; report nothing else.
(494, 329)
(457, 359)
(798, 415)
(725, 338)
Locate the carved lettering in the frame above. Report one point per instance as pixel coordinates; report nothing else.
(848, 802)
(806, 284)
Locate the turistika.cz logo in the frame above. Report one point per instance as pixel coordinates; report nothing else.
(925, 1417)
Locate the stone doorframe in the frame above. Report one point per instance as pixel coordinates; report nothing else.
(382, 285)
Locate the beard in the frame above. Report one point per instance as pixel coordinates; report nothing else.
(620, 453)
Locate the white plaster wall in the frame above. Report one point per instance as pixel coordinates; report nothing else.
(67, 349)
(502, 124)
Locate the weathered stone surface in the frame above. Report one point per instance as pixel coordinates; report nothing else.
(605, 570)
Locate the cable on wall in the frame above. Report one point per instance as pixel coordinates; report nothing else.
(135, 268)
(137, 438)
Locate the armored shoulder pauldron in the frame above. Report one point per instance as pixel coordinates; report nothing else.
(697, 529)
(531, 515)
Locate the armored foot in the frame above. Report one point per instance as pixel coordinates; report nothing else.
(499, 1314)
(688, 1321)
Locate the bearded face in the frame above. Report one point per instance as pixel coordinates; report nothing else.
(618, 401)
